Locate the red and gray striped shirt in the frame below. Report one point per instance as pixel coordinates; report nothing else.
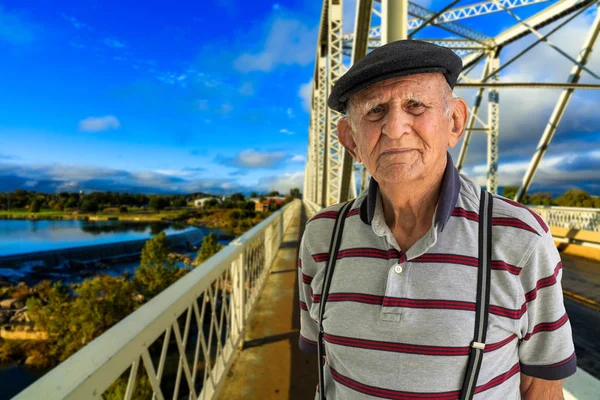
(398, 325)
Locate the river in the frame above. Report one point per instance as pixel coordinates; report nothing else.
(24, 236)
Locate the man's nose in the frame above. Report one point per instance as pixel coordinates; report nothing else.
(398, 122)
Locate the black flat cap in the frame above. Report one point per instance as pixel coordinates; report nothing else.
(399, 58)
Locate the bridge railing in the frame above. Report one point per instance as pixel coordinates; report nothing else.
(182, 342)
(587, 219)
(574, 226)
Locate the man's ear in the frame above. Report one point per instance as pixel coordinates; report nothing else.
(346, 137)
(459, 121)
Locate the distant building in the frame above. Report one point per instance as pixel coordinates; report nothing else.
(258, 205)
(278, 200)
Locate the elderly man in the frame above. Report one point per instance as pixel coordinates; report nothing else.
(401, 305)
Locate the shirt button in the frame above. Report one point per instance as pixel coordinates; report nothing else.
(398, 269)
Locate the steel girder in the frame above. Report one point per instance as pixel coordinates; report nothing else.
(560, 107)
(477, 51)
(334, 152)
(321, 109)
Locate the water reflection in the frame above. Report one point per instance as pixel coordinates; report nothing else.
(156, 227)
(25, 236)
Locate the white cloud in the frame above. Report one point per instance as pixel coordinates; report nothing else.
(305, 94)
(524, 113)
(564, 169)
(286, 131)
(115, 43)
(289, 42)
(298, 158)
(96, 124)
(247, 89)
(251, 158)
(172, 172)
(74, 21)
(290, 113)
(225, 109)
(283, 183)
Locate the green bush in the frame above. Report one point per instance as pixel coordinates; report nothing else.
(35, 206)
(73, 321)
(89, 206)
(156, 271)
(209, 247)
(143, 388)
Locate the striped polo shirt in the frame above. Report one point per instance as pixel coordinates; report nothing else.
(398, 324)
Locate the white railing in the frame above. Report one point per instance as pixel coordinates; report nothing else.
(311, 208)
(182, 342)
(587, 219)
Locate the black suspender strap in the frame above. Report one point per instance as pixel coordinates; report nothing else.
(483, 296)
(334, 247)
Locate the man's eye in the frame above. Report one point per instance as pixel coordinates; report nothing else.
(376, 110)
(416, 105)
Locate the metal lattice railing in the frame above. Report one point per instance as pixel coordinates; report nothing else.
(587, 219)
(182, 342)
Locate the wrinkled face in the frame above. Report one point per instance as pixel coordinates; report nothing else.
(401, 127)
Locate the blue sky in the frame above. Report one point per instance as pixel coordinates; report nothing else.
(161, 98)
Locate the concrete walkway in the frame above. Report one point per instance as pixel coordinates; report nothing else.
(271, 366)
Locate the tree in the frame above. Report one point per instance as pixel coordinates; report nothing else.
(237, 197)
(210, 246)
(541, 199)
(71, 202)
(156, 271)
(35, 206)
(574, 198)
(295, 193)
(274, 193)
(510, 192)
(89, 206)
(180, 202)
(253, 194)
(158, 203)
(250, 205)
(72, 322)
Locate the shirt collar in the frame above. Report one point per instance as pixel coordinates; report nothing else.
(446, 202)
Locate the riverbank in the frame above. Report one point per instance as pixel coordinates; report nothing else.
(132, 215)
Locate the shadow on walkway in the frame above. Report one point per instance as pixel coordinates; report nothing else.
(271, 366)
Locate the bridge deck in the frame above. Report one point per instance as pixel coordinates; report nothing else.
(271, 366)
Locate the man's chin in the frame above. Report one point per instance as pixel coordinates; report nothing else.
(399, 174)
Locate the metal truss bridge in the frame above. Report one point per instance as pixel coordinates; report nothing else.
(183, 343)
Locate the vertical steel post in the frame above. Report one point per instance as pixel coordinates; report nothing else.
(394, 20)
(471, 123)
(493, 129)
(360, 44)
